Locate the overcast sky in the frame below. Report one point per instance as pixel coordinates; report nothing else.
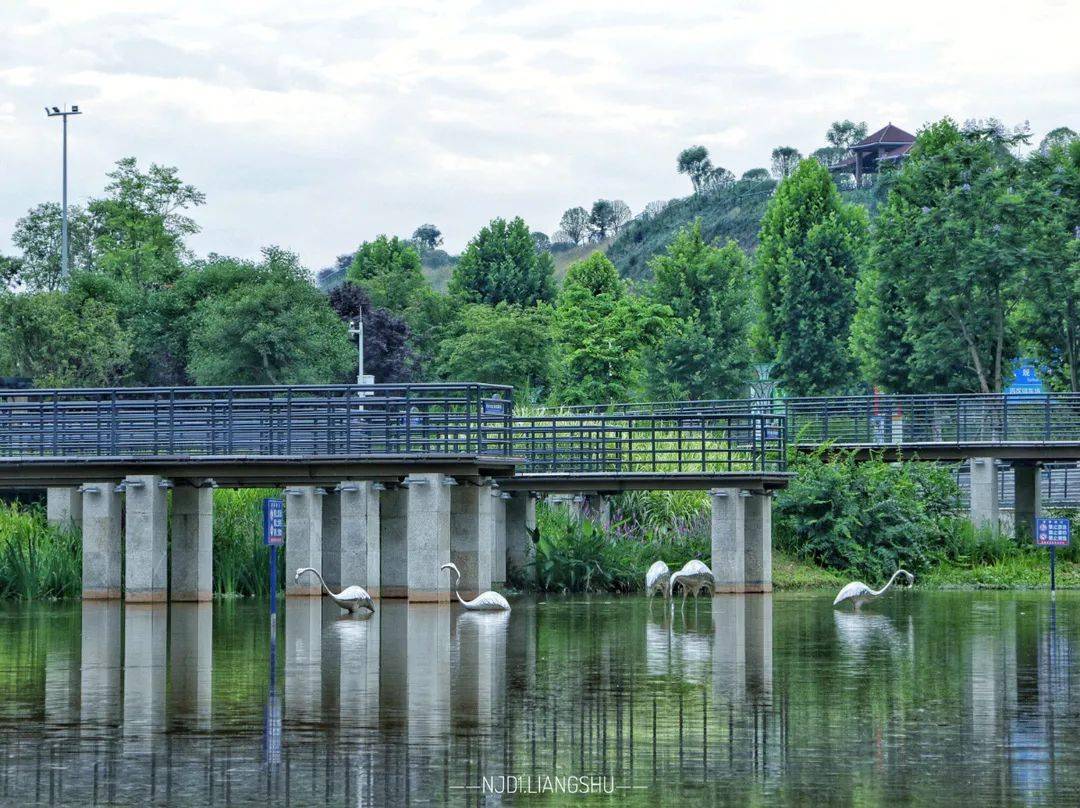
(318, 125)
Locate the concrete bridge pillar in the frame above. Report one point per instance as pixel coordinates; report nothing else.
(393, 541)
(428, 537)
(472, 536)
(146, 543)
(63, 506)
(520, 524)
(729, 539)
(758, 538)
(303, 538)
(192, 543)
(102, 541)
(1027, 499)
(984, 494)
(498, 532)
(595, 507)
(351, 535)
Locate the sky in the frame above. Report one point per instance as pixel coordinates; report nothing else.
(315, 126)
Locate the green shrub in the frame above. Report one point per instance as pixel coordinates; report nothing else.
(37, 560)
(579, 556)
(868, 517)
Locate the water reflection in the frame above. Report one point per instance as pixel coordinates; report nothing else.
(741, 698)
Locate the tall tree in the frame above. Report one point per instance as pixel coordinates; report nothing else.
(694, 162)
(952, 243)
(501, 264)
(575, 224)
(784, 161)
(387, 352)
(603, 219)
(276, 328)
(427, 237)
(705, 351)
(811, 245)
(503, 344)
(845, 134)
(600, 332)
(1049, 316)
(38, 236)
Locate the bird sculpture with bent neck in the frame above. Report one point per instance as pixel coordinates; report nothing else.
(695, 577)
(859, 593)
(351, 598)
(484, 602)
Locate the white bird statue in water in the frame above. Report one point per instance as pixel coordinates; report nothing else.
(859, 593)
(484, 602)
(656, 579)
(695, 577)
(351, 598)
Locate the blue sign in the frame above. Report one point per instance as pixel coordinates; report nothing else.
(1026, 381)
(1052, 532)
(273, 522)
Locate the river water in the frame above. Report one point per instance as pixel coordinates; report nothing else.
(925, 697)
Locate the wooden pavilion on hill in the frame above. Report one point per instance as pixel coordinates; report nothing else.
(888, 144)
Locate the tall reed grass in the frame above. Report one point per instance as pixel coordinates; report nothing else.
(37, 560)
(241, 560)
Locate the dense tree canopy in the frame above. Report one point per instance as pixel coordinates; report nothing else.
(388, 355)
(501, 265)
(704, 351)
(807, 264)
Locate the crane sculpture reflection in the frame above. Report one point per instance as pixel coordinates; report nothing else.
(656, 579)
(694, 577)
(859, 593)
(351, 598)
(484, 602)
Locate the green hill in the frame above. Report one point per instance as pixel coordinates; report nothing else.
(730, 213)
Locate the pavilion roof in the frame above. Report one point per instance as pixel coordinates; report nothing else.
(887, 135)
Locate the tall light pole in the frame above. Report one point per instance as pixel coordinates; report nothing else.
(356, 329)
(55, 112)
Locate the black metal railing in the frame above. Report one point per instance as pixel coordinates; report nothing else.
(902, 419)
(341, 420)
(651, 443)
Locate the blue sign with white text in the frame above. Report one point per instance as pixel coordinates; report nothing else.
(1052, 532)
(273, 522)
(1026, 381)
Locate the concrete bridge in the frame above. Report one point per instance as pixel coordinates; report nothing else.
(1032, 442)
(382, 483)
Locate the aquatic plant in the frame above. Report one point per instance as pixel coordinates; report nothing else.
(37, 560)
(241, 561)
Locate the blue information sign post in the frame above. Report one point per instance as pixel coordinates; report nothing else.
(273, 537)
(1053, 533)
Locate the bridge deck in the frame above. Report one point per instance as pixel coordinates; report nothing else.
(612, 482)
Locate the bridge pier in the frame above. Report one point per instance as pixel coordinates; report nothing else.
(303, 538)
(985, 506)
(192, 543)
(498, 535)
(350, 540)
(520, 522)
(63, 506)
(472, 536)
(741, 541)
(1027, 502)
(593, 506)
(428, 537)
(102, 541)
(146, 540)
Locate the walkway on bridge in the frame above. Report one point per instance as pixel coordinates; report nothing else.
(383, 482)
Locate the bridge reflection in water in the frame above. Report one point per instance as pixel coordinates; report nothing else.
(744, 697)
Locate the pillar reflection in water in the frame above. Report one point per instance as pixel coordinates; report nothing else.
(191, 643)
(303, 658)
(145, 636)
(742, 648)
(480, 670)
(100, 661)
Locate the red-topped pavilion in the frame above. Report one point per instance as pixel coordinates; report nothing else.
(889, 143)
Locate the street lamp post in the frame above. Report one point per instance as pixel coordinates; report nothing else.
(63, 114)
(356, 329)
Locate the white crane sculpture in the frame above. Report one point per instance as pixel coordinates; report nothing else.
(695, 577)
(351, 598)
(859, 593)
(656, 579)
(484, 602)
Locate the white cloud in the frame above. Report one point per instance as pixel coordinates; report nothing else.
(318, 125)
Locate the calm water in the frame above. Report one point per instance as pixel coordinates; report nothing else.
(927, 697)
